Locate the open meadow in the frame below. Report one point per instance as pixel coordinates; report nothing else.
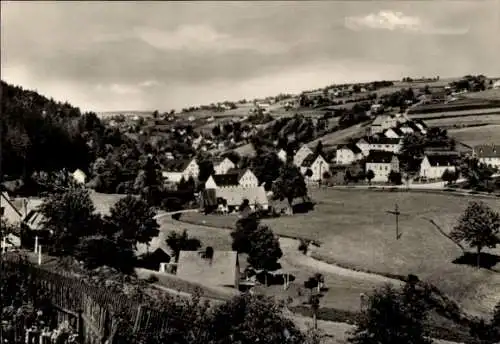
(464, 121)
(491, 94)
(488, 134)
(356, 232)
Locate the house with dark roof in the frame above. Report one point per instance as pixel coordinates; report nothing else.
(487, 154)
(175, 170)
(434, 165)
(222, 165)
(233, 178)
(318, 166)
(220, 268)
(381, 163)
(347, 154)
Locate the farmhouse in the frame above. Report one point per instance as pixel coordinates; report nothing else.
(175, 170)
(434, 165)
(382, 123)
(347, 154)
(487, 154)
(79, 176)
(232, 197)
(382, 163)
(221, 166)
(301, 154)
(317, 164)
(366, 144)
(234, 177)
(219, 268)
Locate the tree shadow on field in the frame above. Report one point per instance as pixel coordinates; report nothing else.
(487, 260)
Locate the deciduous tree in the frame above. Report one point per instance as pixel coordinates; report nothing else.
(479, 226)
(290, 184)
(182, 242)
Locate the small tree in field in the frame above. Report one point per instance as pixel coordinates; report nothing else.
(479, 226)
(370, 175)
(395, 178)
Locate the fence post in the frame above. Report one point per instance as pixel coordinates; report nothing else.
(138, 319)
(79, 324)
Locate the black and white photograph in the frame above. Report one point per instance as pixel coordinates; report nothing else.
(250, 172)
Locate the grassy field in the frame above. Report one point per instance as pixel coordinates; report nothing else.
(357, 232)
(477, 135)
(450, 122)
(104, 202)
(491, 94)
(340, 136)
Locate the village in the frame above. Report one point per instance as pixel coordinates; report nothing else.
(219, 173)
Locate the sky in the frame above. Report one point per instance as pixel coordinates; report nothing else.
(118, 56)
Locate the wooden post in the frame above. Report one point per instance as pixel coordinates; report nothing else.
(39, 254)
(138, 319)
(36, 244)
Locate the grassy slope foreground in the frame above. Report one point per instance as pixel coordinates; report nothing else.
(356, 232)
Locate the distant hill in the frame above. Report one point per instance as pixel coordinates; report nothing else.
(107, 114)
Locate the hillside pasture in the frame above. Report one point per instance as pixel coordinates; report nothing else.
(490, 94)
(488, 134)
(464, 121)
(357, 232)
(340, 136)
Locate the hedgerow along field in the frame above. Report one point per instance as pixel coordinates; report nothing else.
(357, 232)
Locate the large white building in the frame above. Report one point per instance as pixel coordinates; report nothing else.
(347, 154)
(176, 170)
(381, 163)
(318, 166)
(434, 165)
(301, 154)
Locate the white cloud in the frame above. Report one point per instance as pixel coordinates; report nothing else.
(120, 89)
(149, 83)
(202, 37)
(390, 20)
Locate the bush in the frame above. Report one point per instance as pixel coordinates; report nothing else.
(152, 279)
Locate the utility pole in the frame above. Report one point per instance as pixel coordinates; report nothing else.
(396, 212)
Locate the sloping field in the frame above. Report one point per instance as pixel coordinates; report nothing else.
(491, 94)
(457, 122)
(340, 136)
(488, 134)
(104, 202)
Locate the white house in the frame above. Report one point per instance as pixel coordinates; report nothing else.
(381, 123)
(347, 154)
(236, 177)
(487, 154)
(175, 170)
(496, 84)
(434, 165)
(224, 165)
(381, 163)
(367, 144)
(282, 155)
(317, 164)
(79, 176)
(301, 154)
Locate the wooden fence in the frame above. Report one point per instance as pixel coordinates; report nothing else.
(92, 310)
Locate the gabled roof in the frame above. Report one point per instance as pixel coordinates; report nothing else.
(309, 160)
(379, 157)
(217, 160)
(381, 140)
(487, 151)
(350, 146)
(238, 171)
(176, 165)
(34, 220)
(235, 195)
(16, 214)
(221, 270)
(436, 160)
(379, 120)
(227, 179)
(397, 131)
